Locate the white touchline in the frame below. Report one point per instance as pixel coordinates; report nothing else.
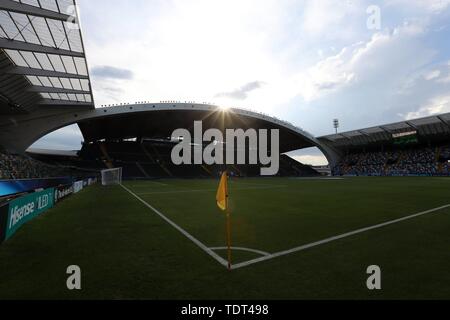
(345, 235)
(184, 232)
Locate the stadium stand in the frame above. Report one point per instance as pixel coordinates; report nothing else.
(414, 160)
(21, 167)
(17, 167)
(151, 159)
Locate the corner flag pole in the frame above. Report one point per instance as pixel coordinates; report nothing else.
(222, 202)
(229, 235)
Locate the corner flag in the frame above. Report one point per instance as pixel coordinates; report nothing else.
(222, 193)
(222, 203)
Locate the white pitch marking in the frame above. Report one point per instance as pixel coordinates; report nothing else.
(207, 190)
(318, 179)
(262, 253)
(146, 186)
(239, 183)
(345, 235)
(157, 182)
(268, 256)
(184, 232)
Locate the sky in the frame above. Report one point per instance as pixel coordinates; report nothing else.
(365, 63)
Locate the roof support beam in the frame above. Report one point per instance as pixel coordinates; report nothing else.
(65, 104)
(443, 121)
(364, 134)
(345, 136)
(55, 90)
(20, 45)
(14, 6)
(386, 130)
(44, 73)
(412, 126)
(368, 136)
(386, 134)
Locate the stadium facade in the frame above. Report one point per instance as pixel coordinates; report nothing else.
(45, 85)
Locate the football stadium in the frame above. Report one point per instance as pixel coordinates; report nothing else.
(138, 226)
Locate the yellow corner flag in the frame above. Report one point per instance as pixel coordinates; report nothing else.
(222, 203)
(222, 193)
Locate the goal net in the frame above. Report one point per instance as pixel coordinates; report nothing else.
(111, 176)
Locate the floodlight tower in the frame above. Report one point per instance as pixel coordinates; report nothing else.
(336, 124)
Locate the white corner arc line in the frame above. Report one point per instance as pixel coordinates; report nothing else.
(328, 240)
(262, 253)
(184, 232)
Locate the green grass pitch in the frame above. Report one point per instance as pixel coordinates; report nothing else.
(126, 251)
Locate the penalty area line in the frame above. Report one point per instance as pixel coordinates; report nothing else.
(335, 238)
(177, 227)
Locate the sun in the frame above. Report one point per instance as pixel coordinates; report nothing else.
(224, 108)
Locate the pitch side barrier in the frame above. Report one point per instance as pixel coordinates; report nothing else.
(12, 187)
(16, 213)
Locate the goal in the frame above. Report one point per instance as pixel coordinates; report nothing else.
(111, 176)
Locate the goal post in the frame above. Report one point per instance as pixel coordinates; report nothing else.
(112, 176)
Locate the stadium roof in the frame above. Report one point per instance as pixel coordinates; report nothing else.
(158, 121)
(433, 127)
(48, 152)
(42, 57)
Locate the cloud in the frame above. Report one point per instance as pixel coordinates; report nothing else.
(432, 75)
(309, 156)
(327, 18)
(363, 62)
(385, 82)
(444, 74)
(430, 6)
(318, 58)
(242, 92)
(436, 105)
(68, 138)
(444, 80)
(312, 160)
(109, 91)
(109, 82)
(109, 72)
(427, 91)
